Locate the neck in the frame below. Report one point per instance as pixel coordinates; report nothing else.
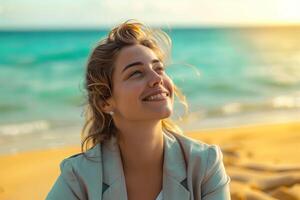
(141, 146)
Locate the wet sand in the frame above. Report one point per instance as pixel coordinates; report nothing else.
(263, 162)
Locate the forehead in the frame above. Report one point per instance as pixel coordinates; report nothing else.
(134, 53)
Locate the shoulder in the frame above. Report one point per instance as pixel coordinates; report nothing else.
(78, 172)
(205, 168)
(79, 161)
(198, 147)
(199, 152)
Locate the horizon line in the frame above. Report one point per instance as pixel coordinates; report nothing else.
(180, 26)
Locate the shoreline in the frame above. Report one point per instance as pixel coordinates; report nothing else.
(53, 134)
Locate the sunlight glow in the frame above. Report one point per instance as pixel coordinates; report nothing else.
(289, 11)
(95, 13)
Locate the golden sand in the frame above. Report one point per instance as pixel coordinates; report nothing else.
(263, 161)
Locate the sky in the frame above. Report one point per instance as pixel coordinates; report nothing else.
(37, 14)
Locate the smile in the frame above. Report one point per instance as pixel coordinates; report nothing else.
(157, 97)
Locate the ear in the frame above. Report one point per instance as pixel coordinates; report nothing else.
(106, 106)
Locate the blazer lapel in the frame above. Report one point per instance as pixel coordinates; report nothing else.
(113, 177)
(91, 172)
(174, 171)
(175, 175)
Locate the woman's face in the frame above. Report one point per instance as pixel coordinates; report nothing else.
(141, 88)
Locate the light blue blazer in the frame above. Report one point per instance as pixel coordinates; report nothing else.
(192, 170)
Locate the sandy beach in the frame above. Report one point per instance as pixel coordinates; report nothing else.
(263, 162)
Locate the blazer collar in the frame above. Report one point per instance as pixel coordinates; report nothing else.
(174, 171)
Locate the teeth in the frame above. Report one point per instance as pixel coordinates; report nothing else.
(157, 97)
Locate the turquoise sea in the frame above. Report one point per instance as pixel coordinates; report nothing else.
(231, 76)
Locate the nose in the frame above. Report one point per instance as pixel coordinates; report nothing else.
(155, 79)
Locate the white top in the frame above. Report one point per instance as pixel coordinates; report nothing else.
(160, 196)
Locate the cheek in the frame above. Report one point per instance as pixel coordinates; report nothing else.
(128, 93)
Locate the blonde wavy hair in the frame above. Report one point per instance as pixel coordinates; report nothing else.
(99, 125)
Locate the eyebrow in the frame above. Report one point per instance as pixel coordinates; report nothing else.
(139, 63)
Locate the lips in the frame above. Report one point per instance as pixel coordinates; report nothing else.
(156, 95)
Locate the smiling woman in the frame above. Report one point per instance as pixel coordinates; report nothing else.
(133, 149)
(144, 52)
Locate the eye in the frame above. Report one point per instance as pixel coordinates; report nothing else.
(134, 73)
(160, 69)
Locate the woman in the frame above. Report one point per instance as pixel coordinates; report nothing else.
(136, 152)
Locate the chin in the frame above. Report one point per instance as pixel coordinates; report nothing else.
(160, 115)
(166, 114)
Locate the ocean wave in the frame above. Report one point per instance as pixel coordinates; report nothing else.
(16, 129)
(281, 102)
